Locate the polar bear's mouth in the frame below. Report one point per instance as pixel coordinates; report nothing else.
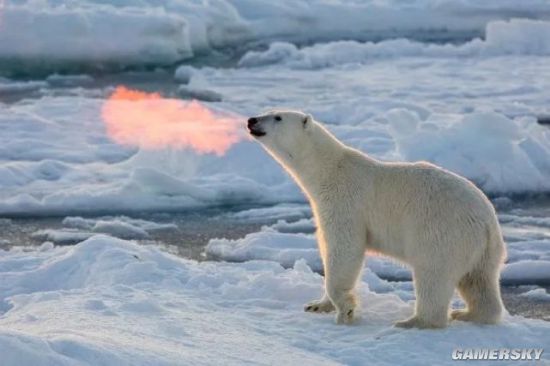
(253, 127)
(256, 132)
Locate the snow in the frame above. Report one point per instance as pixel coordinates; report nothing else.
(92, 31)
(527, 271)
(517, 36)
(75, 168)
(539, 294)
(87, 32)
(108, 301)
(76, 229)
(388, 99)
(525, 149)
(370, 70)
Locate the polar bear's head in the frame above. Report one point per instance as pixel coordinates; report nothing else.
(282, 132)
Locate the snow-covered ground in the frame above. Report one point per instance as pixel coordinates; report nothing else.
(107, 301)
(458, 83)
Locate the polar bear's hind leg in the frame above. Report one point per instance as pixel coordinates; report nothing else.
(480, 290)
(434, 290)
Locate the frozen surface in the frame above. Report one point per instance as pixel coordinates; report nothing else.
(76, 229)
(539, 294)
(161, 32)
(411, 108)
(469, 104)
(107, 301)
(515, 37)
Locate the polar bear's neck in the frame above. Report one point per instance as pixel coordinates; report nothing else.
(315, 162)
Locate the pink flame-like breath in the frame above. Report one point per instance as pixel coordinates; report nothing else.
(148, 120)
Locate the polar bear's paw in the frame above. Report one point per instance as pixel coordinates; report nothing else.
(319, 306)
(345, 317)
(470, 316)
(416, 322)
(461, 314)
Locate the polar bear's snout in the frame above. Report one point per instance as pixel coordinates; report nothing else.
(254, 128)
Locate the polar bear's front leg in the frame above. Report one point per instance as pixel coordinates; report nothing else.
(345, 254)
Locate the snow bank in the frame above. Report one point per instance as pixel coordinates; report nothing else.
(497, 153)
(111, 302)
(86, 33)
(515, 37)
(149, 31)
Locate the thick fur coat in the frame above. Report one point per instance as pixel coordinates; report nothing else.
(437, 222)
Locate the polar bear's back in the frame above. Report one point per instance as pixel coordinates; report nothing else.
(427, 204)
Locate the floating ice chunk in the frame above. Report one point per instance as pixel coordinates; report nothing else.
(205, 95)
(100, 33)
(483, 146)
(282, 211)
(266, 245)
(58, 80)
(539, 294)
(120, 229)
(515, 37)
(527, 271)
(305, 226)
(184, 73)
(62, 236)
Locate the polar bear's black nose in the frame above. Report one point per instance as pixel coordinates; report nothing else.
(252, 121)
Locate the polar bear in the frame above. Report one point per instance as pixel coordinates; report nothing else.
(435, 221)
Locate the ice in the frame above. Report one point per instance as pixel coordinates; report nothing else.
(523, 220)
(86, 32)
(301, 226)
(267, 245)
(61, 237)
(111, 302)
(498, 138)
(10, 87)
(527, 271)
(206, 95)
(184, 73)
(90, 223)
(517, 36)
(275, 212)
(539, 294)
(132, 32)
(76, 229)
(69, 80)
(402, 108)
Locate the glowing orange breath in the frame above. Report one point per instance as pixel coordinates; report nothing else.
(148, 120)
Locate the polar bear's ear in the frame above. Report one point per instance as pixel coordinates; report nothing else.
(307, 120)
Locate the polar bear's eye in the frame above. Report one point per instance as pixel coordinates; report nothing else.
(278, 118)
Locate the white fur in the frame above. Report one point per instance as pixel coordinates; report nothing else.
(436, 221)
